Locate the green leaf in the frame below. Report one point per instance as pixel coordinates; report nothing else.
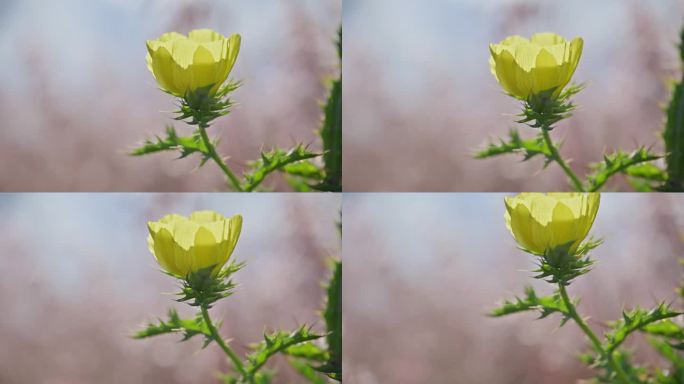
(635, 320)
(545, 305)
(172, 142)
(674, 132)
(331, 131)
(333, 322)
(619, 162)
(275, 160)
(274, 343)
(306, 371)
(188, 327)
(529, 148)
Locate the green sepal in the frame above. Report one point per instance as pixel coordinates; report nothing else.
(201, 288)
(560, 266)
(201, 108)
(543, 111)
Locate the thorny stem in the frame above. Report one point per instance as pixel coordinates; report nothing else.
(558, 159)
(217, 159)
(617, 368)
(237, 363)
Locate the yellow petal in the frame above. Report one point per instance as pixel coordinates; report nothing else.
(205, 252)
(205, 35)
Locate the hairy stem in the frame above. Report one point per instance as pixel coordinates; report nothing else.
(237, 363)
(217, 159)
(558, 159)
(617, 368)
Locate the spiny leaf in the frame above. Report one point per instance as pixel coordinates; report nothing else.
(274, 343)
(306, 371)
(635, 320)
(188, 327)
(529, 148)
(186, 145)
(272, 161)
(333, 322)
(674, 132)
(618, 162)
(545, 305)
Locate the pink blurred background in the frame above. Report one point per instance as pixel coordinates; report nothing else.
(78, 279)
(422, 271)
(76, 94)
(419, 98)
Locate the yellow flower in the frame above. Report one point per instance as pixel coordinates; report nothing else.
(541, 222)
(183, 64)
(528, 67)
(182, 245)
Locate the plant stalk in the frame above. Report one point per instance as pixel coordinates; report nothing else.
(558, 159)
(217, 159)
(237, 363)
(621, 374)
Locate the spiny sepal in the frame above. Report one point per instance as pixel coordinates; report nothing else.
(545, 305)
(561, 265)
(202, 288)
(187, 327)
(201, 107)
(543, 111)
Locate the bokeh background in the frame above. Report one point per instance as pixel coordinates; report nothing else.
(422, 271)
(78, 280)
(76, 94)
(419, 98)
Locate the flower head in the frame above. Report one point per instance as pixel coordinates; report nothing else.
(183, 245)
(545, 62)
(183, 64)
(541, 222)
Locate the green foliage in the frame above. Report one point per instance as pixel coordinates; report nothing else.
(545, 305)
(635, 320)
(188, 327)
(274, 343)
(529, 148)
(674, 132)
(186, 145)
(333, 322)
(331, 134)
(631, 164)
(276, 159)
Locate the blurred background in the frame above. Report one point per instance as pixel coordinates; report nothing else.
(422, 271)
(419, 98)
(76, 94)
(78, 280)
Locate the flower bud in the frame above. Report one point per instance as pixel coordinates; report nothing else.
(544, 63)
(542, 222)
(202, 60)
(185, 245)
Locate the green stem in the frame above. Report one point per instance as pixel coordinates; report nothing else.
(617, 368)
(558, 159)
(217, 159)
(237, 363)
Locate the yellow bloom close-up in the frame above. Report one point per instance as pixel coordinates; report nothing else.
(183, 245)
(545, 62)
(541, 222)
(183, 64)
